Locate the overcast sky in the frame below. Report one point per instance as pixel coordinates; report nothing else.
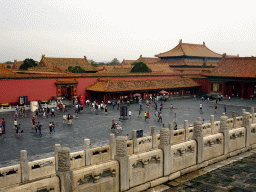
(102, 30)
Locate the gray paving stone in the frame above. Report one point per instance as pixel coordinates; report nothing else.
(97, 127)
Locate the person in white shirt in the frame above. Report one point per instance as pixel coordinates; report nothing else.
(130, 114)
(64, 118)
(52, 112)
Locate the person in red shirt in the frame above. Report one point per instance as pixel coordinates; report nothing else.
(148, 115)
(33, 121)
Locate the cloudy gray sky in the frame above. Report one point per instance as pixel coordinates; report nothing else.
(102, 30)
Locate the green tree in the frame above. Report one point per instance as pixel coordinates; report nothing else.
(204, 65)
(140, 67)
(8, 66)
(8, 62)
(114, 62)
(94, 64)
(76, 69)
(28, 63)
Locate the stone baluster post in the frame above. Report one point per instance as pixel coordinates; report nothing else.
(166, 147)
(135, 142)
(57, 147)
(198, 136)
(253, 116)
(64, 173)
(153, 134)
(223, 114)
(87, 152)
(171, 133)
(123, 159)
(24, 166)
(186, 130)
(247, 125)
(199, 119)
(243, 113)
(112, 144)
(225, 131)
(212, 124)
(234, 119)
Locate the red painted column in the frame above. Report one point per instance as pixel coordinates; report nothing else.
(223, 89)
(209, 87)
(242, 91)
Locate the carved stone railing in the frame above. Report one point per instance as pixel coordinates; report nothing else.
(10, 175)
(41, 168)
(77, 160)
(100, 154)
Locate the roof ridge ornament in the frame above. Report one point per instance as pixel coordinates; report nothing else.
(203, 43)
(180, 41)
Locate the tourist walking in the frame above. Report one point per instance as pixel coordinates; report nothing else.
(201, 107)
(64, 118)
(203, 122)
(215, 108)
(171, 107)
(225, 108)
(40, 129)
(1, 132)
(33, 121)
(113, 124)
(130, 114)
(3, 125)
(16, 113)
(50, 127)
(139, 113)
(160, 117)
(106, 110)
(161, 107)
(229, 98)
(53, 127)
(15, 124)
(113, 104)
(19, 130)
(148, 115)
(145, 115)
(52, 112)
(44, 114)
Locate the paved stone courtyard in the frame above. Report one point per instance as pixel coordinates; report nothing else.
(239, 176)
(96, 127)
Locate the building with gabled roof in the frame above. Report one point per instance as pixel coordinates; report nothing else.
(127, 62)
(234, 76)
(64, 63)
(187, 50)
(123, 89)
(188, 55)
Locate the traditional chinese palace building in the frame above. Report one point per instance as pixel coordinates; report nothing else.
(234, 76)
(184, 70)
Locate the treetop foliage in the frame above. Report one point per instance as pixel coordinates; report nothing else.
(76, 69)
(28, 63)
(140, 67)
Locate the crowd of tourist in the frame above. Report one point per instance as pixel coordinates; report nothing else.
(95, 107)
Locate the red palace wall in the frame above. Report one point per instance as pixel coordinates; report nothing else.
(205, 85)
(35, 89)
(38, 89)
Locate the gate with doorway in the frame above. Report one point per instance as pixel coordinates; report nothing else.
(66, 89)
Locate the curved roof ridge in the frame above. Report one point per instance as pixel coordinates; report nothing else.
(182, 48)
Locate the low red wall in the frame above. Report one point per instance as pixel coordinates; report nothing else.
(35, 89)
(38, 89)
(205, 85)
